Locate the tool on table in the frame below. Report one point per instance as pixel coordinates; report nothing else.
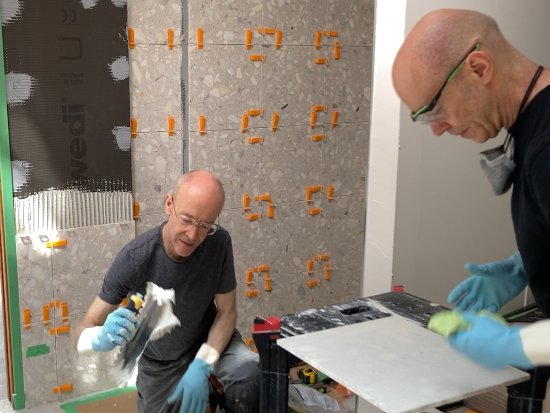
(308, 376)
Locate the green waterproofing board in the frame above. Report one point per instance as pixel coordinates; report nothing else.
(70, 407)
(37, 350)
(9, 235)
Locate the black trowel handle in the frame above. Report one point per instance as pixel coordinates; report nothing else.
(134, 303)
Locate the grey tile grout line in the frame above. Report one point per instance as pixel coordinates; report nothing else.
(305, 125)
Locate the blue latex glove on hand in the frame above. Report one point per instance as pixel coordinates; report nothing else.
(119, 328)
(491, 286)
(193, 388)
(490, 343)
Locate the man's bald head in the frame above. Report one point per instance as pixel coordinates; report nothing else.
(205, 180)
(434, 48)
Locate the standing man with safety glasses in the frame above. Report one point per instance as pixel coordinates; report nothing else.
(489, 85)
(193, 256)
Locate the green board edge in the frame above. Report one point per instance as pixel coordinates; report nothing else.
(70, 407)
(18, 396)
(39, 350)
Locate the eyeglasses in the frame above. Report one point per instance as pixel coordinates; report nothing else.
(427, 113)
(205, 228)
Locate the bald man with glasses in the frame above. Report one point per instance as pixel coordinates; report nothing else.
(192, 255)
(458, 74)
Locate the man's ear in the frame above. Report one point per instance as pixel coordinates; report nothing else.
(481, 65)
(168, 203)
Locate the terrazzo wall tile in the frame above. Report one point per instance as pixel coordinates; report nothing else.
(348, 83)
(290, 238)
(344, 284)
(247, 308)
(39, 372)
(297, 19)
(224, 21)
(151, 20)
(156, 167)
(87, 374)
(245, 236)
(147, 222)
(289, 294)
(342, 229)
(34, 271)
(80, 266)
(290, 162)
(155, 87)
(345, 156)
(229, 157)
(223, 86)
(292, 83)
(353, 19)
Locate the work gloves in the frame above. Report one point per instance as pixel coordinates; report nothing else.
(490, 343)
(491, 285)
(119, 328)
(193, 389)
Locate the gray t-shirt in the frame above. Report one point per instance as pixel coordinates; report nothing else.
(209, 270)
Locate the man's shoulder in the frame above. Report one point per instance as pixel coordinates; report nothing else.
(217, 242)
(144, 243)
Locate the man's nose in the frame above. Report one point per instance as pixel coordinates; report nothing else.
(193, 233)
(440, 128)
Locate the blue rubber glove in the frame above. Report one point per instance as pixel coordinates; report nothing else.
(491, 285)
(119, 328)
(490, 343)
(193, 388)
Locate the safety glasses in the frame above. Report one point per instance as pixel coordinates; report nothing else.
(427, 114)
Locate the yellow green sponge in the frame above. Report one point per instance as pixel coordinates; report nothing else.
(446, 323)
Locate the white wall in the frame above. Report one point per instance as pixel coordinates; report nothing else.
(445, 214)
(384, 147)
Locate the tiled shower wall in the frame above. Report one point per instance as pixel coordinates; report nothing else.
(222, 85)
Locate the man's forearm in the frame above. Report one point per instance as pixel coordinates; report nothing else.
(222, 330)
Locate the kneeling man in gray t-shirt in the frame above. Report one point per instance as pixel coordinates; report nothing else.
(193, 256)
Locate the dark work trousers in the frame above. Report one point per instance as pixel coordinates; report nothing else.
(237, 370)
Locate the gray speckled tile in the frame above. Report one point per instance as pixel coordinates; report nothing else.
(354, 21)
(155, 87)
(34, 272)
(151, 20)
(230, 158)
(292, 83)
(156, 167)
(225, 22)
(224, 85)
(244, 235)
(289, 163)
(39, 373)
(345, 156)
(342, 229)
(297, 19)
(80, 266)
(147, 222)
(247, 309)
(289, 294)
(87, 374)
(348, 84)
(289, 239)
(344, 284)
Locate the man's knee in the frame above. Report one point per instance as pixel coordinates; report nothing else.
(244, 397)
